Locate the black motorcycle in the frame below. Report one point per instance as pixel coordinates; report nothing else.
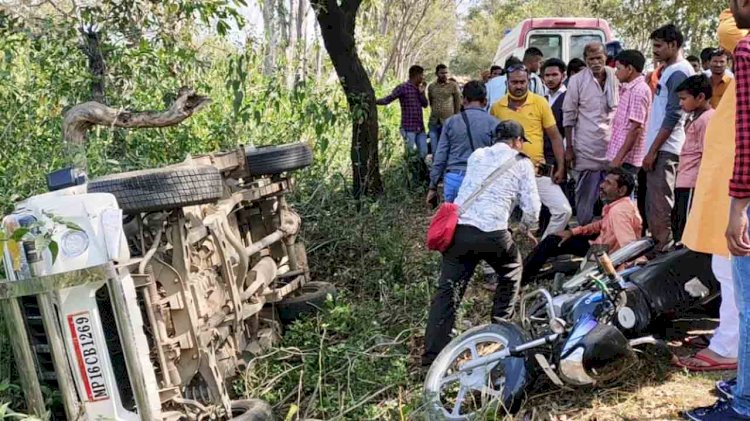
(583, 335)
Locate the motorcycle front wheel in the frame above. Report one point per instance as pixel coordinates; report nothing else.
(496, 387)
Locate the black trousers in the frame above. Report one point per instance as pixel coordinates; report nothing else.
(470, 245)
(683, 198)
(578, 245)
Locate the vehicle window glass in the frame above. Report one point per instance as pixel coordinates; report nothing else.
(551, 45)
(578, 42)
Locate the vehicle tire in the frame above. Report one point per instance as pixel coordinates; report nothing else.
(308, 299)
(251, 410)
(162, 188)
(268, 160)
(512, 372)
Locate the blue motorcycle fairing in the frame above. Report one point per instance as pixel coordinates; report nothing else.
(583, 327)
(592, 304)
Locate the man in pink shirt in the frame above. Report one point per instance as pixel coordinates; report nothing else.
(619, 226)
(627, 146)
(695, 98)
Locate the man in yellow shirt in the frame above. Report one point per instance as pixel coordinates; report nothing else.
(533, 112)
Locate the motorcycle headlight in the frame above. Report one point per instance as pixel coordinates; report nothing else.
(74, 243)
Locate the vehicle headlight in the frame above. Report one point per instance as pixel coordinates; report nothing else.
(74, 243)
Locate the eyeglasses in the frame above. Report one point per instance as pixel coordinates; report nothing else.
(516, 68)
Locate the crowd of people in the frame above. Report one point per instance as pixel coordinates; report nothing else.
(629, 153)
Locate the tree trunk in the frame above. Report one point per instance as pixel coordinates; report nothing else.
(337, 26)
(271, 40)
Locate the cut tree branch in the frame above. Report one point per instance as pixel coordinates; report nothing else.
(82, 117)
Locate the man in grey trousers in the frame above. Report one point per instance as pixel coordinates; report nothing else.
(665, 136)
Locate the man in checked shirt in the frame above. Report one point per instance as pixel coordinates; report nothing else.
(411, 97)
(736, 403)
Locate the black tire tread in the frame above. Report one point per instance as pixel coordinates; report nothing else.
(269, 160)
(254, 410)
(307, 300)
(161, 188)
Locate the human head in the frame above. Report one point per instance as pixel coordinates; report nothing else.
(617, 184)
(718, 62)
(485, 75)
(595, 56)
(694, 92)
(574, 66)
(416, 74)
(441, 71)
(495, 71)
(695, 62)
(518, 81)
(706, 57)
(511, 61)
(741, 12)
(629, 65)
(511, 133)
(553, 73)
(475, 93)
(666, 42)
(532, 58)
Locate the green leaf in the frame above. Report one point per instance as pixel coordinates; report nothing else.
(19, 233)
(54, 249)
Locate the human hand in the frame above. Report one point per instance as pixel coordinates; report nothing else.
(616, 163)
(559, 176)
(738, 241)
(422, 87)
(564, 236)
(432, 198)
(649, 161)
(570, 158)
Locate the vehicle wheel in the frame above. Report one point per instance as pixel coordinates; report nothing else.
(268, 160)
(500, 385)
(162, 188)
(308, 299)
(251, 410)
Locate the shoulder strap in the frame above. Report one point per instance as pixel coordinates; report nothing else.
(490, 179)
(468, 130)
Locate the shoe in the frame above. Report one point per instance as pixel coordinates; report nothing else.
(724, 388)
(720, 411)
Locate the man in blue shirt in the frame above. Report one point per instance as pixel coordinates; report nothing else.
(462, 134)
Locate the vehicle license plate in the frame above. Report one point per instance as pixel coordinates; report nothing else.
(88, 355)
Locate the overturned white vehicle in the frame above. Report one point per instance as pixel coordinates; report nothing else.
(141, 295)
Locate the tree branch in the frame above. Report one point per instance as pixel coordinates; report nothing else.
(82, 117)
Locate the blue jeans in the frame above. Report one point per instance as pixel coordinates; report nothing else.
(415, 143)
(435, 131)
(451, 183)
(741, 274)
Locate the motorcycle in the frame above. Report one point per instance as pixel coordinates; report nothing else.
(585, 335)
(142, 295)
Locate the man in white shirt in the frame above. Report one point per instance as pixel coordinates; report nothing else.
(482, 233)
(532, 59)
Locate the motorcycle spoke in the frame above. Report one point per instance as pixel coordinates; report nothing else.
(459, 401)
(474, 352)
(450, 379)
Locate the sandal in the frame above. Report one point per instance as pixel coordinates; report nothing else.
(697, 341)
(713, 365)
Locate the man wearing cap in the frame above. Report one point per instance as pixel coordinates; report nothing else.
(534, 114)
(620, 225)
(482, 233)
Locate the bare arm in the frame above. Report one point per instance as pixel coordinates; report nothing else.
(634, 132)
(557, 145)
